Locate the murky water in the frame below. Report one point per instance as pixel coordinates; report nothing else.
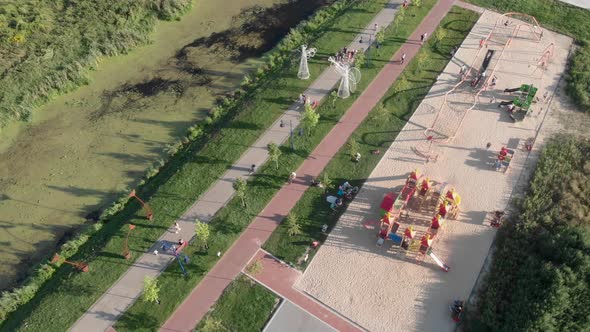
(84, 148)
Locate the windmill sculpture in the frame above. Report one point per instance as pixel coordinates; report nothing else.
(306, 53)
(349, 77)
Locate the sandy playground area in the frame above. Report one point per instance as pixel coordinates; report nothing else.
(382, 288)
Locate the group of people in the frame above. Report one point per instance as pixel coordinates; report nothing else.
(345, 55)
(345, 191)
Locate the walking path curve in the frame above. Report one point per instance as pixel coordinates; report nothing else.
(280, 278)
(109, 307)
(227, 269)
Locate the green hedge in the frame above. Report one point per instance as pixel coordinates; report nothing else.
(563, 18)
(539, 278)
(93, 239)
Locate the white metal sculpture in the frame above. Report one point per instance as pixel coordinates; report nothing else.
(349, 77)
(306, 53)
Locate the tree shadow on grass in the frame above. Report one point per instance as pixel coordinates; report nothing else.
(140, 321)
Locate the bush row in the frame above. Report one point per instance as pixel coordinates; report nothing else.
(225, 109)
(539, 276)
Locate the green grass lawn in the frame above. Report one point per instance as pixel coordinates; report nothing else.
(233, 219)
(387, 119)
(244, 306)
(377, 132)
(68, 294)
(551, 14)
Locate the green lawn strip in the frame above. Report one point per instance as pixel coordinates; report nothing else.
(68, 294)
(233, 219)
(538, 278)
(244, 306)
(389, 118)
(563, 18)
(377, 132)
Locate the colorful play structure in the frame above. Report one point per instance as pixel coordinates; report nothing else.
(417, 187)
(503, 160)
(520, 106)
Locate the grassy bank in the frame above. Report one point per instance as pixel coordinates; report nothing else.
(244, 306)
(376, 132)
(566, 19)
(47, 46)
(67, 294)
(233, 219)
(539, 275)
(389, 116)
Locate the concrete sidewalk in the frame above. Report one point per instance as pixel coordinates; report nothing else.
(211, 287)
(105, 312)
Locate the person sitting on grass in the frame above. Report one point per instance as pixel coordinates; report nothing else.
(357, 157)
(334, 201)
(317, 183)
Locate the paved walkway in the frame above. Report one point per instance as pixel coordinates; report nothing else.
(210, 288)
(127, 289)
(291, 318)
(280, 278)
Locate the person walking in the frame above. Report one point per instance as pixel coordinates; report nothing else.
(423, 38)
(292, 177)
(463, 69)
(403, 58)
(252, 169)
(481, 42)
(176, 228)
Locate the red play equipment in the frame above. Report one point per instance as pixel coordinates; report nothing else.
(148, 210)
(80, 266)
(393, 205)
(126, 252)
(447, 207)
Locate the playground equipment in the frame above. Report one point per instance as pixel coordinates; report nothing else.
(524, 99)
(306, 53)
(80, 266)
(349, 77)
(503, 160)
(178, 255)
(126, 252)
(149, 214)
(393, 205)
(448, 120)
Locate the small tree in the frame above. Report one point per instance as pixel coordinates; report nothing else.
(310, 119)
(202, 233)
(255, 267)
(353, 147)
(274, 153)
(417, 3)
(292, 224)
(240, 187)
(212, 325)
(439, 35)
(325, 180)
(334, 96)
(151, 290)
(380, 37)
(359, 59)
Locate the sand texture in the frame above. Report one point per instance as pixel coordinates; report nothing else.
(382, 288)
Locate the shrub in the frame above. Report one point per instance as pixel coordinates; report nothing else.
(538, 277)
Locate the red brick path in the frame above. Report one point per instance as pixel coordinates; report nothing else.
(190, 312)
(280, 278)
